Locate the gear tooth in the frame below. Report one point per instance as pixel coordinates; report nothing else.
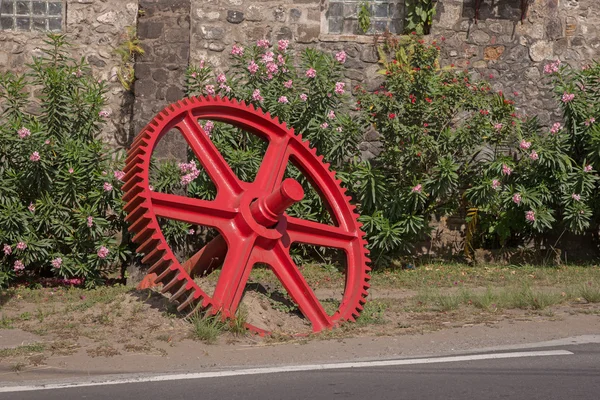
(174, 284)
(351, 318)
(159, 266)
(197, 308)
(166, 274)
(191, 297)
(359, 307)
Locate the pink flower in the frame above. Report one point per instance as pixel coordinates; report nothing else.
(102, 252)
(552, 67)
(21, 246)
(283, 44)
(339, 129)
(194, 74)
(104, 173)
(331, 115)
(530, 216)
(534, 155)
(339, 87)
(516, 198)
(263, 43)
(303, 97)
(35, 156)
(590, 121)
(417, 189)
(151, 188)
(311, 73)
(104, 113)
(324, 125)
(18, 266)
(281, 60)
(256, 95)
(288, 84)
(588, 168)
(221, 78)
(208, 128)
(71, 170)
(555, 127)
(567, 97)
(57, 262)
(78, 73)
(525, 144)
(272, 68)
(226, 88)
(23, 133)
(210, 90)
(201, 65)
(47, 141)
(498, 126)
(192, 171)
(31, 207)
(90, 221)
(496, 184)
(341, 56)
(191, 232)
(506, 170)
(107, 187)
(267, 57)
(252, 67)
(283, 100)
(576, 197)
(237, 50)
(119, 175)
(7, 250)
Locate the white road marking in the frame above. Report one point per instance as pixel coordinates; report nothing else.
(281, 369)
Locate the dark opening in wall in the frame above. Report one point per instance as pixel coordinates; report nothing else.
(27, 15)
(384, 15)
(481, 10)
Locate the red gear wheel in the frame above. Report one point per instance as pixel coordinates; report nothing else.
(249, 216)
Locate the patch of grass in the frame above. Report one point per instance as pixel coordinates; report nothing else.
(18, 367)
(104, 350)
(25, 350)
(527, 298)
(6, 323)
(372, 314)
(237, 325)
(207, 328)
(590, 292)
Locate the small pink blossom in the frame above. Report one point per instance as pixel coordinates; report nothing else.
(47, 141)
(35, 156)
(18, 266)
(331, 115)
(210, 90)
(201, 65)
(339, 129)
(252, 67)
(567, 97)
(517, 198)
(283, 44)
(303, 97)
(265, 44)
(221, 78)
(78, 73)
(272, 68)
(576, 197)
(256, 95)
(7, 250)
(237, 50)
(71, 170)
(496, 184)
(102, 252)
(104, 113)
(90, 221)
(341, 56)
(31, 207)
(208, 128)
(530, 216)
(590, 121)
(281, 60)
(324, 125)
(506, 170)
(104, 173)
(588, 168)
(552, 67)
(498, 126)
(151, 188)
(283, 100)
(23, 132)
(107, 187)
(556, 127)
(191, 232)
(534, 155)
(194, 74)
(224, 87)
(268, 57)
(21, 246)
(525, 145)
(288, 84)
(57, 262)
(339, 88)
(311, 73)
(417, 189)
(119, 175)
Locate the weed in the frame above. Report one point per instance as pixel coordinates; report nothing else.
(104, 350)
(207, 328)
(26, 316)
(163, 337)
(18, 367)
(23, 350)
(237, 325)
(5, 322)
(372, 314)
(590, 292)
(447, 302)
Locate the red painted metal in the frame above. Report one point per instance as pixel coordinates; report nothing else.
(250, 217)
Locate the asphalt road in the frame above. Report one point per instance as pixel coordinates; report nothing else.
(562, 377)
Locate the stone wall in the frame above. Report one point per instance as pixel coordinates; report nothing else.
(94, 28)
(511, 53)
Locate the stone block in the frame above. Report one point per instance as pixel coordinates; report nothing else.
(541, 50)
(308, 33)
(235, 17)
(150, 30)
(493, 52)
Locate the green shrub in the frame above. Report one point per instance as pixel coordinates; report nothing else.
(60, 202)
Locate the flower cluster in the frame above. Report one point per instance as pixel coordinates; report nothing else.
(190, 172)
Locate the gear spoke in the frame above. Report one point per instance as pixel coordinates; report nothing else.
(210, 157)
(273, 166)
(294, 283)
(318, 234)
(234, 275)
(187, 209)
